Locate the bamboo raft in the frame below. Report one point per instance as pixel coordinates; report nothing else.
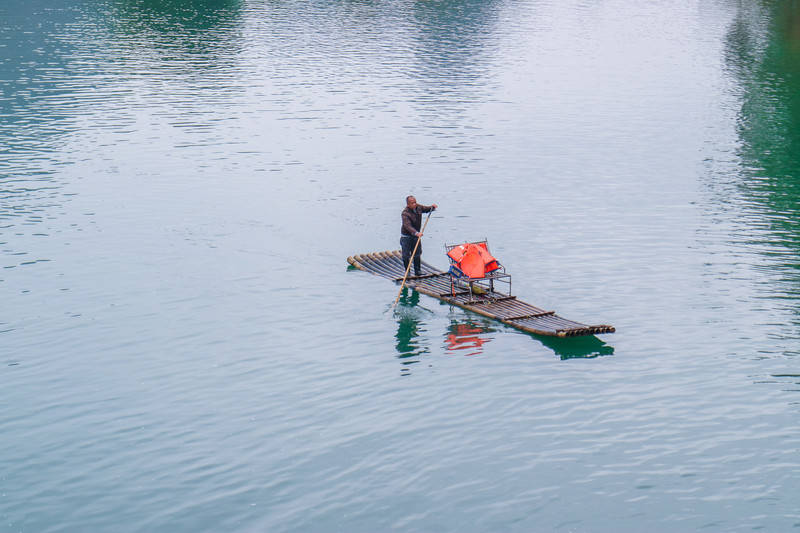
(505, 308)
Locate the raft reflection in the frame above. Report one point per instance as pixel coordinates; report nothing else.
(576, 347)
(466, 335)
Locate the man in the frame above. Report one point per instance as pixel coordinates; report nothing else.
(410, 232)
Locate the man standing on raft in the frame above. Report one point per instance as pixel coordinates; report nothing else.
(410, 232)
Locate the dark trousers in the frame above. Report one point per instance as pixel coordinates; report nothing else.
(407, 243)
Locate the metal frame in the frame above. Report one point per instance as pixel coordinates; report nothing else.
(486, 283)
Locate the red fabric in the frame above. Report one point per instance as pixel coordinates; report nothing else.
(474, 259)
(472, 263)
(457, 252)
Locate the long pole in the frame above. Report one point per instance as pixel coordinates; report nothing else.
(411, 259)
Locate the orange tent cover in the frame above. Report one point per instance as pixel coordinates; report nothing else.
(473, 259)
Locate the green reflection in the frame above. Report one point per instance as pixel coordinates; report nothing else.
(451, 46)
(470, 333)
(408, 313)
(181, 15)
(576, 347)
(193, 27)
(763, 55)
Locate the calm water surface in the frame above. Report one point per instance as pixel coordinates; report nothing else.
(182, 347)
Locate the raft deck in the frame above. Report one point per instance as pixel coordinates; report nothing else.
(505, 308)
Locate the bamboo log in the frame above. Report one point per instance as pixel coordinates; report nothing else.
(507, 309)
(537, 315)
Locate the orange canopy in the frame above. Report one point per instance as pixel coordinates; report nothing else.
(473, 259)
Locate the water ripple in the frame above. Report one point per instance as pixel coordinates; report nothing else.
(180, 183)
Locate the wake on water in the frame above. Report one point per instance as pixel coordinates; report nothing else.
(402, 311)
(408, 306)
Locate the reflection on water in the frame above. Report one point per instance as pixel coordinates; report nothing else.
(409, 329)
(763, 55)
(451, 39)
(134, 130)
(452, 49)
(79, 77)
(467, 334)
(467, 337)
(186, 15)
(576, 347)
(35, 106)
(202, 28)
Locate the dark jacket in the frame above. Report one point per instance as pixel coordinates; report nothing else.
(412, 220)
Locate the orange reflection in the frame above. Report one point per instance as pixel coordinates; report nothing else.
(467, 336)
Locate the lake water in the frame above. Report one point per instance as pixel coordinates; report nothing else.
(182, 346)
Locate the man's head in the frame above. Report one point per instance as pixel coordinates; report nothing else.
(411, 202)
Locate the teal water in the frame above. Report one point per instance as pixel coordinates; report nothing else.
(182, 347)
